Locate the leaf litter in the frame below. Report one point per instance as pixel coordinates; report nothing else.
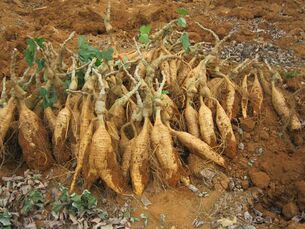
(28, 202)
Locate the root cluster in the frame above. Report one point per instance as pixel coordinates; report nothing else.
(126, 119)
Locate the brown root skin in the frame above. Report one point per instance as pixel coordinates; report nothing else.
(256, 96)
(225, 128)
(139, 169)
(32, 100)
(85, 136)
(166, 154)
(265, 84)
(86, 114)
(206, 124)
(6, 117)
(83, 154)
(60, 145)
(33, 139)
(103, 161)
(191, 118)
(245, 96)
(198, 147)
(50, 118)
(280, 106)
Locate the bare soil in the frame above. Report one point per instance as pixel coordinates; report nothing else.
(273, 158)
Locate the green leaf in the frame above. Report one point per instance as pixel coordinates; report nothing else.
(181, 22)
(290, 74)
(5, 219)
(64, 194)
(118, 63)
(56, 207)
(185, 42)
(164, 92)
(134, 219)
(45, 78)
(43, 91)
(36, 196)
(77, 202)
(67, 84)
(145, 218)
(40, 41)
(32, 48)
(86, 52)
(30, 51)
(40, 63)
(144, 39)
(89, 200)
(145, 29)
(33, 199)
(80, 78)
(103, 215)
(125, 59)
(49, 97)
(27, 206)
(182, 11)
(107, 54)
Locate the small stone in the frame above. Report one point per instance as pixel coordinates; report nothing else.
(241, 146)
(248, 217)
(259, 151)
(248, 227)
(193, 188)
(240, 131)
(264, 135)
(221, 182)
(247, 124)
(260, 179)
(245, 184)
(289, 210)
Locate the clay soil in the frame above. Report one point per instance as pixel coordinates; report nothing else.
(273, 158)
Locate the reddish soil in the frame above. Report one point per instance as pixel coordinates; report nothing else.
(273, 158)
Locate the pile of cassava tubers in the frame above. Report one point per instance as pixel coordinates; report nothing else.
(132, 115)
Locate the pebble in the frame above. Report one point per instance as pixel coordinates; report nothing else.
(260, 179)
(245, 184)
(241, 146)
(248, 227)
(193, 188)
(259, 151)
(248, 217)
(247, 124)
(264, 135)
(290, 210)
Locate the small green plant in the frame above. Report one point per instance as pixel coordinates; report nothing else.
(74, 203)
(181, 20)
(185, 42)
(165, 92)
(30, 52)
(144, 34)
(49, 97)
(290, 74)
(5, 220)
(32, 201)
(86, 52)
